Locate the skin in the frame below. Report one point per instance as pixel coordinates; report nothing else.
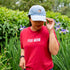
(36, 25)
(53, 44)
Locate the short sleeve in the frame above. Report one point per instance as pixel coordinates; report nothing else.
(21, 40)
(56, 37)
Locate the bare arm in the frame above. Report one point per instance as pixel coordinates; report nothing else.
(53, 44)
(22, 60)
(22, 52)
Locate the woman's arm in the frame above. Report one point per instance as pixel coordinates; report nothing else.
(22, 60)
(53, 44)
(22, 52)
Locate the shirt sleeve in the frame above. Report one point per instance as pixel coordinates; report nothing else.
(56, 37)
(21, 40)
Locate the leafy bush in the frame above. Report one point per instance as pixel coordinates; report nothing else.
(62, 60)
(13, 52)
(10, 22)
(63, 19)
(4, 64)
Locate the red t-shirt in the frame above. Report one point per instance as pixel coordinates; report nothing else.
(36, 51)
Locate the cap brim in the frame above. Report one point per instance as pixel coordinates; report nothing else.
(38, 18)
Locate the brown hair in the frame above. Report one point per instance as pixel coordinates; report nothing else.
(29, 20)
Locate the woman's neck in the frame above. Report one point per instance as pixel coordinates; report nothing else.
(33, 29)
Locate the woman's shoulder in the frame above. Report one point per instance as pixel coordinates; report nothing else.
(45, 30)
(44, 26)
(24, 30)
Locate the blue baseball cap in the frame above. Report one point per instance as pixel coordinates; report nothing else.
(37, 13)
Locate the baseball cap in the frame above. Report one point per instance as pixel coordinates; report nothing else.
(37, 13)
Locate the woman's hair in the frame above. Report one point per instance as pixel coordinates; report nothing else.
(29, 20)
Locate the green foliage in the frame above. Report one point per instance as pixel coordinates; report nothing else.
(26, 4)
(58, 17)
(62, 6)
(4, 64)
(9, 60)
(62, 59)
(65, 10)
(13, 51)
(10, 22)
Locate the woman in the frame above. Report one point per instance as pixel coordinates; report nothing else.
(38, 42)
